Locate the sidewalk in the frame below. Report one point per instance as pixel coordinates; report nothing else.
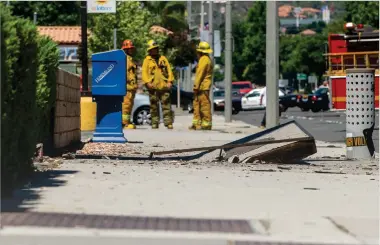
(279, 202)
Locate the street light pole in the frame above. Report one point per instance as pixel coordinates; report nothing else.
(211, 42)
(83, 10)
(115, 38)
(202, 17)
(228, 66)
(188, 71)
(272, 65)
(35, 18)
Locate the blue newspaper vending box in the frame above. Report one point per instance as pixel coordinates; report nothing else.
(108, 91)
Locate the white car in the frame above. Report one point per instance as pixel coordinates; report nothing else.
(252, 100)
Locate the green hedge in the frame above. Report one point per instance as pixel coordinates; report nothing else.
(28, 67)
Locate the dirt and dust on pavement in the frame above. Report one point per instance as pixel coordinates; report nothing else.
(323, 198)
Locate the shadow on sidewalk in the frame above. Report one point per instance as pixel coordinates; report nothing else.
(26, 197)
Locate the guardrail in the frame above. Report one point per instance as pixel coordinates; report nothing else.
(339, 62)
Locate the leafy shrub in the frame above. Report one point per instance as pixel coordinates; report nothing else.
(28, 66)
(46, 83)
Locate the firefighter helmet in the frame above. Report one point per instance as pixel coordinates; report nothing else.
(204, 47)
(127, 44)
(152, 45)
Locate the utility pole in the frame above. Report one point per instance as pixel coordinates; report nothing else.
(115, 38)
(272, 65)
(188, 71)
(228, 66)
(202, 17)
(35, 18)
(83, 10)
(211, 42)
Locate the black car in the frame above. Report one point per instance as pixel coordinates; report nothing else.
(219, 101)
(186, 98)
(317, 101)
(289, 100)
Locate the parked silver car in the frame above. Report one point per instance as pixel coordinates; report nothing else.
(141, 110)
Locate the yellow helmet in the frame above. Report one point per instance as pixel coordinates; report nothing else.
(204, 47)
(151, 45)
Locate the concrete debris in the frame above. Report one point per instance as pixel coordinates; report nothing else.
(68, 156)
(311, 188)
(47, 163)
(234, 159)
(328, 172)
(263, 170)
(107, 149)
(284, 144)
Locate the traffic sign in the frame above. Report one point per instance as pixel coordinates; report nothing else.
(313, 79)
(301, 76)
(297, 10)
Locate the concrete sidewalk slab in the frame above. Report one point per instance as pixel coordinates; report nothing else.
(41, 236)
(285, 204)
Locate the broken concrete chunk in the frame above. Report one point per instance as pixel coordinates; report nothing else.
(234, 159)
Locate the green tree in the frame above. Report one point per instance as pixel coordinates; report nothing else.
(168, 14)
(364, 12)
(238, 61)
(172, 16)
(48, 13)
(336, 26)
(135, 29)
(302, 54)
(253, 53)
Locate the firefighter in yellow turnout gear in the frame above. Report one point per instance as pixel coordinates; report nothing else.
(203, 79)
(157, 76)
(131, 85)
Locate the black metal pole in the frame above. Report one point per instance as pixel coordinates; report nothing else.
(83, 10)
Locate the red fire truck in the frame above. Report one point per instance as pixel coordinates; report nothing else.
(357, 48)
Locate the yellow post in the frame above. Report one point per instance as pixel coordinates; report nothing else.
(330, 68)
(87, 114)
(354, 60)
(366, 61)
(342, 62)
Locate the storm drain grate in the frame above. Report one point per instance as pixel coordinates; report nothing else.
(276, 243)
(123, 222)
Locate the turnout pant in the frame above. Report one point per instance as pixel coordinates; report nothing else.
(202, 109)
(162, 96)
(127, 107)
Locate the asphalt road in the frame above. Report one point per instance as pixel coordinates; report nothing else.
(324, 126)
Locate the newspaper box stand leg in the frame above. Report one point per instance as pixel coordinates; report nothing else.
(360, 113)
(108, 91)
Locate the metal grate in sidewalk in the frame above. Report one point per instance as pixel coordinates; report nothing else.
(275, 243)
(63, 220)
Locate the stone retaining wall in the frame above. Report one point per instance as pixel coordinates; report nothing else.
(67, 109)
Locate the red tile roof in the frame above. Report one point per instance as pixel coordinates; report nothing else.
(160, 30)
(62, 34)
(287, 10)
(310, 10)
(308, 32)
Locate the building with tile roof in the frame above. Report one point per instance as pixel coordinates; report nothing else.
(68, 39)
(308, 32)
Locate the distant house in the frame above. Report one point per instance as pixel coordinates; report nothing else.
(306, 15)
(308, 32)
(68, 39)
(160, 30)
